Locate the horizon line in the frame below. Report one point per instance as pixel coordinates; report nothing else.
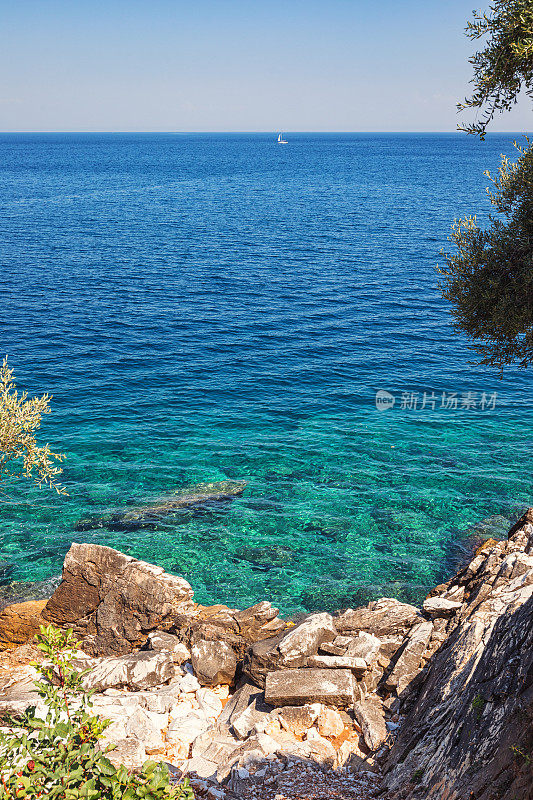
(255, 132)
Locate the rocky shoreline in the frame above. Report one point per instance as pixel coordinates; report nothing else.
(386, 701)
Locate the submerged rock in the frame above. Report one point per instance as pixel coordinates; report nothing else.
(266, 557)
(24, 591)
(201, 496)
(6, 570)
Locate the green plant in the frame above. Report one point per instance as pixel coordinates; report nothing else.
(58, 756)
(478, 704)
(488, 276)
(417, 776)
(519, 754)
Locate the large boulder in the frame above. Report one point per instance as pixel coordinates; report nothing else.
(213, 662)
(364, 645)
(137, 671)
(440, 607)
(202, 496)
(304, 640)
(115, 599)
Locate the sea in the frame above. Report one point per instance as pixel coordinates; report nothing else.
(213, 307)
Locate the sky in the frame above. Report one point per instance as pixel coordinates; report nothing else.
(236, 65)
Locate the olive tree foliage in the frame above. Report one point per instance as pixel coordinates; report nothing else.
(20, 419)
(488, 276)
(504, 66)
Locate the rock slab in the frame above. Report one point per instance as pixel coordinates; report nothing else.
(300, 686)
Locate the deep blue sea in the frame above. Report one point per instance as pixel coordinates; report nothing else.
(210, 307)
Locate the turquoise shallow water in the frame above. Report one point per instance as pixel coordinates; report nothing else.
(210, 307)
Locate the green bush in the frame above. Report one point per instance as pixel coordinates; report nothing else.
(59, 756)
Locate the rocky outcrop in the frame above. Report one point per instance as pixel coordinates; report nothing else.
(437, 701)
(201, 496)
(470, 728)
(113, 601)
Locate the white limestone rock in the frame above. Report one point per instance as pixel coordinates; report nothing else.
(137, 671)
(440, 607)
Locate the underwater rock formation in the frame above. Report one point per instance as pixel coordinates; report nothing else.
(203, 496)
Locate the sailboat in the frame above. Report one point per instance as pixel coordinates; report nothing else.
(281, 140)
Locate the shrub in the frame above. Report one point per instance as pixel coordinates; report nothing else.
(58, 756)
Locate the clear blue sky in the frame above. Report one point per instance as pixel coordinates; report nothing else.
(236, 65)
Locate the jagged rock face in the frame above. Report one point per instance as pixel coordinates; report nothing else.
(115, 599)
(238, 629)
(469, 733)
